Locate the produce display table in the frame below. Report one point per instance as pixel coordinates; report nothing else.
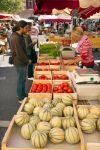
(13, 139)
(95, 41)
(56, 88)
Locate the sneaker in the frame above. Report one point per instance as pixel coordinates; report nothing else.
(31, 78)
(20, 101)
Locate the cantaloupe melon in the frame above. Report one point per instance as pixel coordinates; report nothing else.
(72, 135)
(39, 139)
(56, 135)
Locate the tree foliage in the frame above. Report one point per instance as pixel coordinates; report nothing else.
(11, 6)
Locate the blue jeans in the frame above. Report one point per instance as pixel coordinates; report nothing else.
(31, 68)
(21, 79)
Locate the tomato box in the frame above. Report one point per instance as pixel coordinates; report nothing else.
(55, 67)
(68, 62)
(61, 88)
(41, 89)
(43, 75)
(70, 68)
(42, 68)
(43, 62)
(55, 62)
(60, 75)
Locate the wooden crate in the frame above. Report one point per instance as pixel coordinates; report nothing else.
(44, 57)
(68, 61)
(60, 95)
(42, 68)
(91, 141)
(61, 73)
(88, 102)
(13, 140)
(55, 67)
(39, 73)
(70, 68)
(55, 61)
(43, 62)
(41, 95)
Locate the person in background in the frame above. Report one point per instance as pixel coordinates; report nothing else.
(20, 58)
(30, 52)
(84, 47)
(9, 32)
(34, 34)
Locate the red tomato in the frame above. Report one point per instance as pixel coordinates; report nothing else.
(65, 88)
(40, 87)
(64, 77)
(44, 88)
(69, 90)
(34, 88)
(55, 89)
(65, 84)
(59, 87)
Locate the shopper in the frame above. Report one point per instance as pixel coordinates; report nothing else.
(20, 58)
(34, 34)
(30, 52)
(84, 48)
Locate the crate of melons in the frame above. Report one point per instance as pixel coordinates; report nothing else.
(36, 126)
(89, 120)
(42, 68)
(60, 75)
(64, 89)
(43, 75)
(41, 89)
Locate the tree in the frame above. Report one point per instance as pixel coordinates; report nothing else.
(11, 6)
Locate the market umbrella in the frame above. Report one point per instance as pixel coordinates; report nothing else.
(8, 16)
(5, 16)
(86, 8)
(54, 18)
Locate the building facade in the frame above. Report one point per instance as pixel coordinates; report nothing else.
(28, 9)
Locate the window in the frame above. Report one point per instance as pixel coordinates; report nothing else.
(29, 4)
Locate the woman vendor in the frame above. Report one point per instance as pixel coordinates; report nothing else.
(84, 47)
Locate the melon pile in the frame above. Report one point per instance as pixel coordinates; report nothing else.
(42, 121)
(90, 118)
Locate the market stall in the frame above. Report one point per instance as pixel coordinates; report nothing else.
(62, 110)
(50, 117)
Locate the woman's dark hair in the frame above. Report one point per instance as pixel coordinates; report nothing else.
(22, 24)
(15, 28)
